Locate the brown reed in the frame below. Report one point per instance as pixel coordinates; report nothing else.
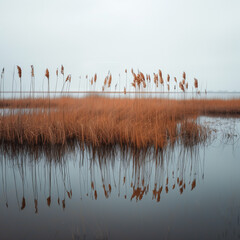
(101, 121)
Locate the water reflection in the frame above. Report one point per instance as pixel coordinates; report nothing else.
(45, 176)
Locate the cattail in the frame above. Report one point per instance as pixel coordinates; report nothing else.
(125, 70)
(183, 81)
(168, 78)
(19, 72)
(103, 88)
(105, 81)
(32, 71)
(184, 75)
(62, 70)
(195, 83)
(125, 91)
(91, 81)
(160, 73)
(69, 78)
(144, 84)
(181, 87)
(142, 76)
(110, 80)
(168, 87)
(95, 77)
(186, 85)
(175, 79)
(47, 74)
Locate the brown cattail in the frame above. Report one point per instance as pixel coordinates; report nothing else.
(186, 85)
(175, 79)
(95, 77)
(168, 78)
(181, 87)
(125, 91)
(91, 81)
(110, 80)
(62, 70)
(125, 70)
(144, 84)
(160, 73)
(142, 76)
(32, 71)
(69, 78)
(184, 75)
(47, 74)
(195, 83)
(19, 71)
(105, 81)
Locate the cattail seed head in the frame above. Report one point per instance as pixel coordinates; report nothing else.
(47, 74)
(160, 73)
(32, 71)
(69, 78)
(95, 77)
(195, 83)
(62, 70)
(181, 87)
(184, 75)
(19, 71)
(168, 77)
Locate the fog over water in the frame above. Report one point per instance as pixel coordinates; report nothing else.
(199, 37)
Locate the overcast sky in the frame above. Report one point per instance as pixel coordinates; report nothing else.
(201, 37)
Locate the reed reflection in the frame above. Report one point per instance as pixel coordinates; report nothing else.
(45, 176)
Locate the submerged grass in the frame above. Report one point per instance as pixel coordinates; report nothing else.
(99, 121)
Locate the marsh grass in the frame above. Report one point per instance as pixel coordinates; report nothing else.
(99, 121)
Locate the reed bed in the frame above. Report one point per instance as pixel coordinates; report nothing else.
(99, 121)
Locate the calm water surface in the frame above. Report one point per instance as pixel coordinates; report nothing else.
(184, 193)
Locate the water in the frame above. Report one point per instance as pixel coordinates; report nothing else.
(132, 94)
(183, 193)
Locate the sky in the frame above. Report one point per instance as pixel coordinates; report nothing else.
(200, 37)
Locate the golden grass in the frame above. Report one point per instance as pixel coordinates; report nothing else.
(99, 121)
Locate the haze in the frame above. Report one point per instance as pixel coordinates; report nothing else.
(199, 37)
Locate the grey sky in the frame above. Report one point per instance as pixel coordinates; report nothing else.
(201, 37)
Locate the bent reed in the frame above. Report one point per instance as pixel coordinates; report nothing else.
(99, 121)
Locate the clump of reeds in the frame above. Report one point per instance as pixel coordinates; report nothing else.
(20, 77)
